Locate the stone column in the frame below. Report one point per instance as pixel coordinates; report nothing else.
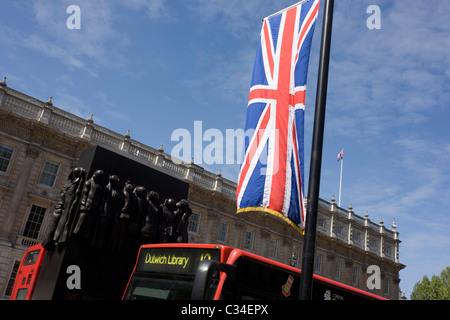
(366, 232)
(397, 241)
(2, 91)
(238, 225)
(88, 129)
(350, 224)
(125, 146)
(218, 182)
(381, 239)
(46, 112)
(212, 221)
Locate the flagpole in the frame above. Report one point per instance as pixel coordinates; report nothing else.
(309, 243)
(340, 182)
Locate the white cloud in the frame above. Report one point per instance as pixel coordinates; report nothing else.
(87, 48)
(154, 9)
(377, 74)
(238, 17)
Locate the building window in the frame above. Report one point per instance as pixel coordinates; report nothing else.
(194, 222)
(339, 230)
(318, 264)
(321, 223)
(295, 257)
(12, 278)
(386, 286)
(248, 240)
(356, 237)
(372, 245)
(355, 276)
(5, 157)
(273, 249)
(48, 176)
(337, 270)
(223, 230)
(34, 222)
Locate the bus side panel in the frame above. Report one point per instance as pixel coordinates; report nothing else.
(327, 289)
(262, 278)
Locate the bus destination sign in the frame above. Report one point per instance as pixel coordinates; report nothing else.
(174, 260)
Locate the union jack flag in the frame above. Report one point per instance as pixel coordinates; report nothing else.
(340, 155)
(271, 176)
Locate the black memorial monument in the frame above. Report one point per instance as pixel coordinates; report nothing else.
(110, 205)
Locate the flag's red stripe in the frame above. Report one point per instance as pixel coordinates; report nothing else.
(277, 191)
(299, 97)
(262, 94)
(268, 47)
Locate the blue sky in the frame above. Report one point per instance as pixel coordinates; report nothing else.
(156, 66)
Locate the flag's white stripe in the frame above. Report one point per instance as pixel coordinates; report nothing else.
(290, 151)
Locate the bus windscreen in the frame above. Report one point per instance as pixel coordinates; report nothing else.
(167, 272)
(31, 257)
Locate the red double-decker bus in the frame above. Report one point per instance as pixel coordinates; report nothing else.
(217, 272)
(202, 272)
(27, 273)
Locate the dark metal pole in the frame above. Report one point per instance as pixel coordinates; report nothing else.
(306, 280)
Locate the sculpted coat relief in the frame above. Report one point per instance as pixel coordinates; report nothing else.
(97, 211)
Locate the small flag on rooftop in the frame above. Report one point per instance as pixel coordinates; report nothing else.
(340, 155)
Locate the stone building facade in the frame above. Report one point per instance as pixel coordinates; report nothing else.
(40, 144)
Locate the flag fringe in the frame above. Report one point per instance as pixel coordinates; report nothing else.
(272, 212)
